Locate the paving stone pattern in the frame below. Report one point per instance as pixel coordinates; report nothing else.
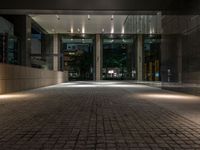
(92, 118)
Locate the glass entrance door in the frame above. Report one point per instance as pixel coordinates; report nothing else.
(118, 58)
(78, 58)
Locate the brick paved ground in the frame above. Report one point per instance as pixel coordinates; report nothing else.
(89, 117)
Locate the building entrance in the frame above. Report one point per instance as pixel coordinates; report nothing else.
(77, 57)
(118, 57)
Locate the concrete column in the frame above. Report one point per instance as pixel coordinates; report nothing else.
(98, 57)
(55, 52)
(139, 58)
(179, 65)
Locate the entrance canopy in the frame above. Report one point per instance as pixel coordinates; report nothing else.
(101, 6)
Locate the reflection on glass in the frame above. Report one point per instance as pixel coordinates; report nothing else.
(152, 58)
(78, 58)
(118, 58)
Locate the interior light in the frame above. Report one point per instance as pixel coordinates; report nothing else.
(112, 17)
(78, 30)
(112, 30)
(123, 30)
(72, 30)
(103, 30)
(83, 30)
(57, 17)
(89, 17)
(111, 71)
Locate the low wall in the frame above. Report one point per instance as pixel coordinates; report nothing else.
(15, 78)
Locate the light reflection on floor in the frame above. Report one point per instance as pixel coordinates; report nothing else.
(168, 96)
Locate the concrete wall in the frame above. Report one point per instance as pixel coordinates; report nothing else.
(180, 48)
(180, 52)
(15, 78)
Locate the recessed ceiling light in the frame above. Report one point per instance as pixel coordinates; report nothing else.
(72, 30)
(89, 17)
(112, 30)
(57, 17)
(83, 30)
(123, 30)
(112, 17)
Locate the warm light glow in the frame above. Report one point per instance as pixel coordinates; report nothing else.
(17, 96)
(167, 96)
(112, 30)
(83, 30)
(72, 30)
(123, 30)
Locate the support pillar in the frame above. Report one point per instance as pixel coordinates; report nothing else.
(140, 58)
(56, 46)
(179, 66)
(98, 57)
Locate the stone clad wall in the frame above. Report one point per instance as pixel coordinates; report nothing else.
(180, 48)
(15, 78)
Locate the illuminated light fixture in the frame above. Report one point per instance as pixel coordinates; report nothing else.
(112, 30)
(83, 30)
(123, 30)
(89, 17)
(112, 17)
(111, 71)
(78, 30)
(57, 17)
(72, 30)
(53, 30)
(112, 41)
(103, 30)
